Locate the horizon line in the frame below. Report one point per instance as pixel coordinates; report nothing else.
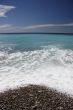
(36, 33)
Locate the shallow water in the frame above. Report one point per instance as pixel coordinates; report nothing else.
(45, 59)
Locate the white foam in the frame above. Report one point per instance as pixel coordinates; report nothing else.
(52, 67)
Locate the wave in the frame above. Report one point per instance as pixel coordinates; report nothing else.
(52, 67)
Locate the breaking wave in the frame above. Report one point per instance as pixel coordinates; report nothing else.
(52, 67)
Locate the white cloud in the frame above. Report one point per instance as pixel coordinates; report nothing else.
(4, 9)
(44, 27)
(47, 25)
(5, 26)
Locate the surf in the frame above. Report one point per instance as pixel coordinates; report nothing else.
(49, 66)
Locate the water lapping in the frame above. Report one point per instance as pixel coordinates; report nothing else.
(52, 67)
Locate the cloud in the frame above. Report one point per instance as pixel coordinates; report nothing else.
(4, 9)
(37, 28)
(48, 25)
(5, 26)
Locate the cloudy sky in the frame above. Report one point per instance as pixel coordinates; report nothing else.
(36, 16)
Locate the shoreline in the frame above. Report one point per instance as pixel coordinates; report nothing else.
(35, 97)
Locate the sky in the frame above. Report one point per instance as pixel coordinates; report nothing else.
(36, 16)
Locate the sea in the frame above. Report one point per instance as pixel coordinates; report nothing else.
(41, 59)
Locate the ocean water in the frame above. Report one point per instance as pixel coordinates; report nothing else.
(44, 59)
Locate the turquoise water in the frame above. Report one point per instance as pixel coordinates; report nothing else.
(36, 41)
(45, 59)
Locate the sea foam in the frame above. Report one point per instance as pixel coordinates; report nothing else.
(52, 67)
